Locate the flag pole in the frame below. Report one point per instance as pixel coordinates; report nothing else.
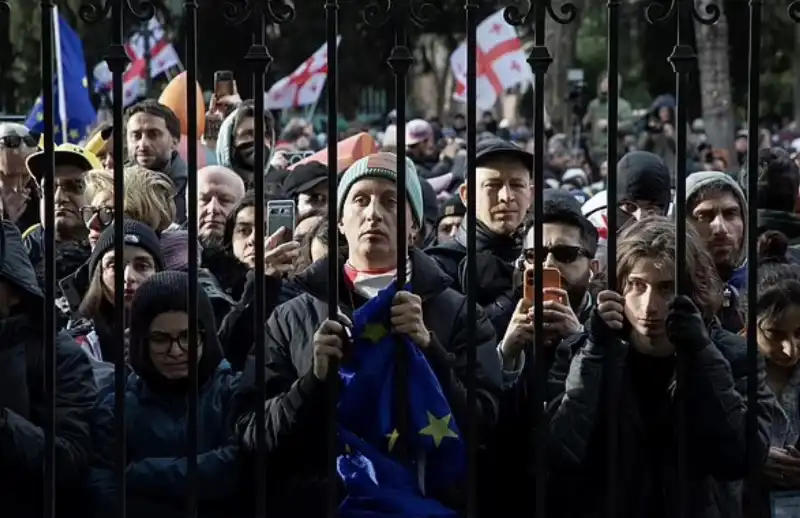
(62, 101)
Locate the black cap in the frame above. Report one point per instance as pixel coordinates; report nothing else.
(136, 234)
(304, 177)
(642, 175)
(496, 147)
(452, 207)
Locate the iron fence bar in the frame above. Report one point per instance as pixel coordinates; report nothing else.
(117, 59)
(259, 59)
(611, 400)
(400, 61)
(190, 59)
(753, 99)
(49, 487)
(471, 8)
(332, 90)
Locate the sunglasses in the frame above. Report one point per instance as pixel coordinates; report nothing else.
(564, 254)
(16, 141)
(105, 215)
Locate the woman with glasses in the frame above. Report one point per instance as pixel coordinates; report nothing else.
(96, 331)
(156, 405)
(148, 199)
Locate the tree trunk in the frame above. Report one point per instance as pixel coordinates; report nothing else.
(429, 80)
(715, 82)
(560, 41)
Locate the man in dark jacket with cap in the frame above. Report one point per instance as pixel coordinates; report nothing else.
(644, 186)
(307, 185)
(503, 197)
(24, 403)
(451, 214)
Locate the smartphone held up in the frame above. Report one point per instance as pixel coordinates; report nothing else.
(551, 278)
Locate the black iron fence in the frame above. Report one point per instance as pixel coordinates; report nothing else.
(395, 15)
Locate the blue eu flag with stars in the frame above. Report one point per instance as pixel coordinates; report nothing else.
(72, 72)
(379, 485)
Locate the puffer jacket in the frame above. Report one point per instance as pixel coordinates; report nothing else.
(156, 435)
(716, 406)
(24, 402)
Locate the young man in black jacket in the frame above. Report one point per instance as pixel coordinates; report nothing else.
(642, 328)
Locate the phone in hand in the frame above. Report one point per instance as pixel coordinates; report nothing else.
(281, 213)
(551, 278)
(223, 83)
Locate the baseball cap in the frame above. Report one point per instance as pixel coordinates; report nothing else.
(304, 177)
(418, 130)
(495, 147)
(65, 154)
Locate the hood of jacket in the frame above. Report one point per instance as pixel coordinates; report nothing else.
(697, 181)
(427, 279)
(225, 149)
(787, 223)
(507, 248)
(17, 268)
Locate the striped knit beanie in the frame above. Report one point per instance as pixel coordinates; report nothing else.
(382, 165)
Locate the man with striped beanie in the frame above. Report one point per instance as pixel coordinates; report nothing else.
(428, 315)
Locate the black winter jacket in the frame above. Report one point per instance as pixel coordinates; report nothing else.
(716, 406)
(295, 410)
(23, 400)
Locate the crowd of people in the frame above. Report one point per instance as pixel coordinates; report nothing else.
(640, 326)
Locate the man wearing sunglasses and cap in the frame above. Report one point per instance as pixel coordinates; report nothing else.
(16, 144)
(72, 247)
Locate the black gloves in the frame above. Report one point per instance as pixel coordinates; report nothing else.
(685, 327)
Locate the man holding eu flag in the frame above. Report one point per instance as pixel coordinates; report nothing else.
(386, 466)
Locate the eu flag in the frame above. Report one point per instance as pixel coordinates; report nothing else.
(71, 81)
(379, 485)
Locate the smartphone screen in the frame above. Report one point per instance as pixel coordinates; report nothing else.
(223, 83)
(281, 213)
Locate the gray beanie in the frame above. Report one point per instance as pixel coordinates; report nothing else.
(382, 165)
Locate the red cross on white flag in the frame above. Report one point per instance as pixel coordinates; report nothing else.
(501, 62)
(163, 57)
(303, 86)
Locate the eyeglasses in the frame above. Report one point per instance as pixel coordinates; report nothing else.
(105, 215)
(17, 141)
(564, 254)
(161, 343)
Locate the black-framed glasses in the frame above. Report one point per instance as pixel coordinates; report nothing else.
(565, 254)
(105, 215)
(161, 343)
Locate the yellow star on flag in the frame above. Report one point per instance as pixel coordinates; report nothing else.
(374, 332)
(85, 82)
(39, 100)
(393, 438)
(74, 134)
(39, 116)
(56, 129)
(438, 429)
(347, 449)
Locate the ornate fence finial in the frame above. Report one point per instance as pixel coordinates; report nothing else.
(236, 11)
(515, 16)
(422, 12)
(712, 15)
(280, 11)
(656, 13)
(568, 12)
(143, 10)
(92, 11)
(794, 11)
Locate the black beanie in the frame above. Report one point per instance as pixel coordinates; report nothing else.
(136, 234)
(164, 292)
